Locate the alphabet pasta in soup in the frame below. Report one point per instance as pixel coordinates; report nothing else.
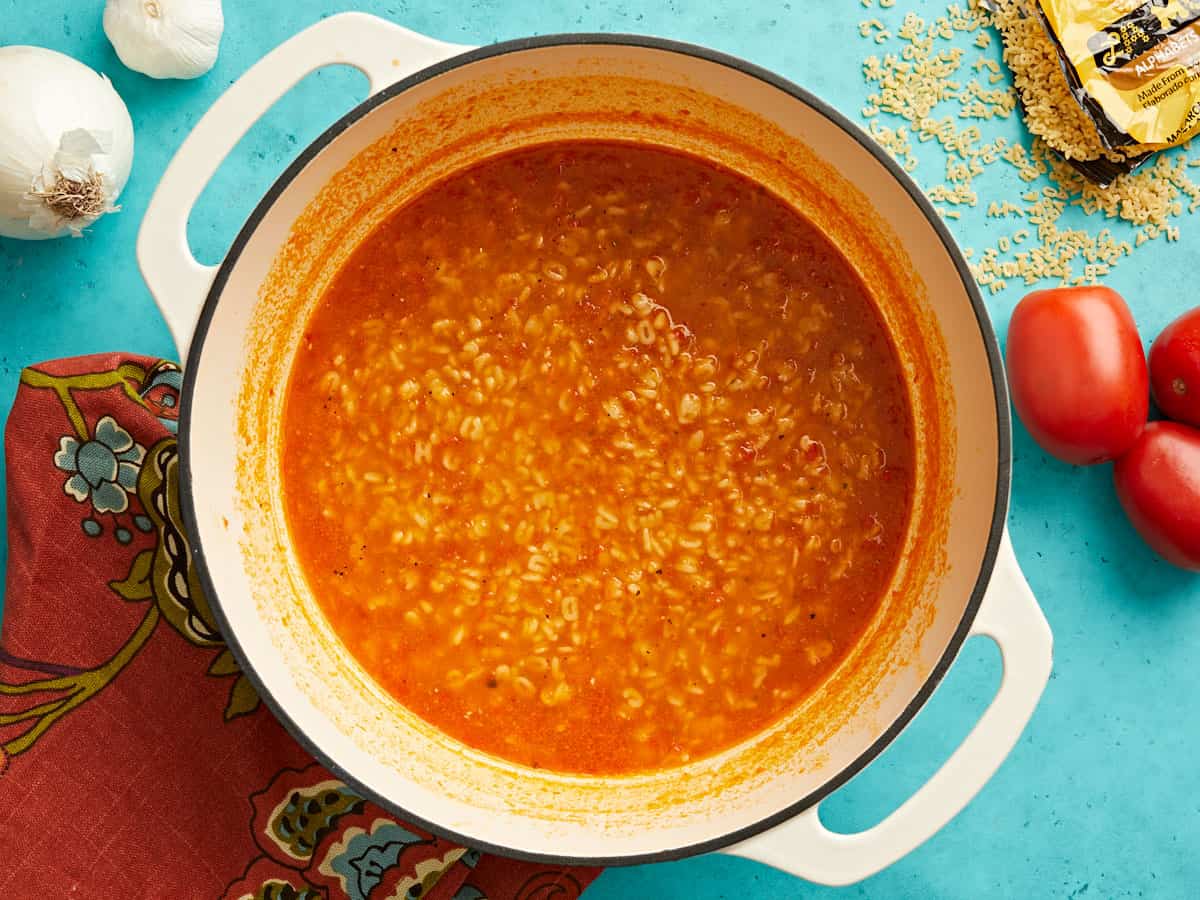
(598, 457)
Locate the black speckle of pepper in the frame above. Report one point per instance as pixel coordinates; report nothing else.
(491, 682)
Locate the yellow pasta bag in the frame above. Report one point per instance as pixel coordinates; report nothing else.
(1133, 65)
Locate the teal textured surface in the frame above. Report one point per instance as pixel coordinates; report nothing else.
(1098, 799)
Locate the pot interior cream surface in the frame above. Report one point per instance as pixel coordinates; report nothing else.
(410, 141)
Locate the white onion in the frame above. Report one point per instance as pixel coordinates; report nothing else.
(66, 144)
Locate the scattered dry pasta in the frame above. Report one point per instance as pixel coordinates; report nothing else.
(929, 87)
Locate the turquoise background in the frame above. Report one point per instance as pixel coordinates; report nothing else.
(1101, 797)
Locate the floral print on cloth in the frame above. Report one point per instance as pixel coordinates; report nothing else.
(103, 468)
(319, 838)
(128, 732)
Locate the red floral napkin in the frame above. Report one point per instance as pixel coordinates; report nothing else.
(136, 760)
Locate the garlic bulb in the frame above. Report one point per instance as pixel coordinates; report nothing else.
(165, 38)
(66, 144)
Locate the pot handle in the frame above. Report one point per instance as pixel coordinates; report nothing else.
(1012, 618)
(382, 51)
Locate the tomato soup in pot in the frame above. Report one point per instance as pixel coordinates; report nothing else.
(597, 456)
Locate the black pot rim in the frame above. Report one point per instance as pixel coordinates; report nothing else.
(1003, 461)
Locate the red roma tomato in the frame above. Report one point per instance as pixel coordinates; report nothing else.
(1077, 372)
(1175, 369)
(1158, 482)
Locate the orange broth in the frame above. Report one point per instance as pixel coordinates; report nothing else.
(597, 457)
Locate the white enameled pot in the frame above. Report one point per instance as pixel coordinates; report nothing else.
(434, 108)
